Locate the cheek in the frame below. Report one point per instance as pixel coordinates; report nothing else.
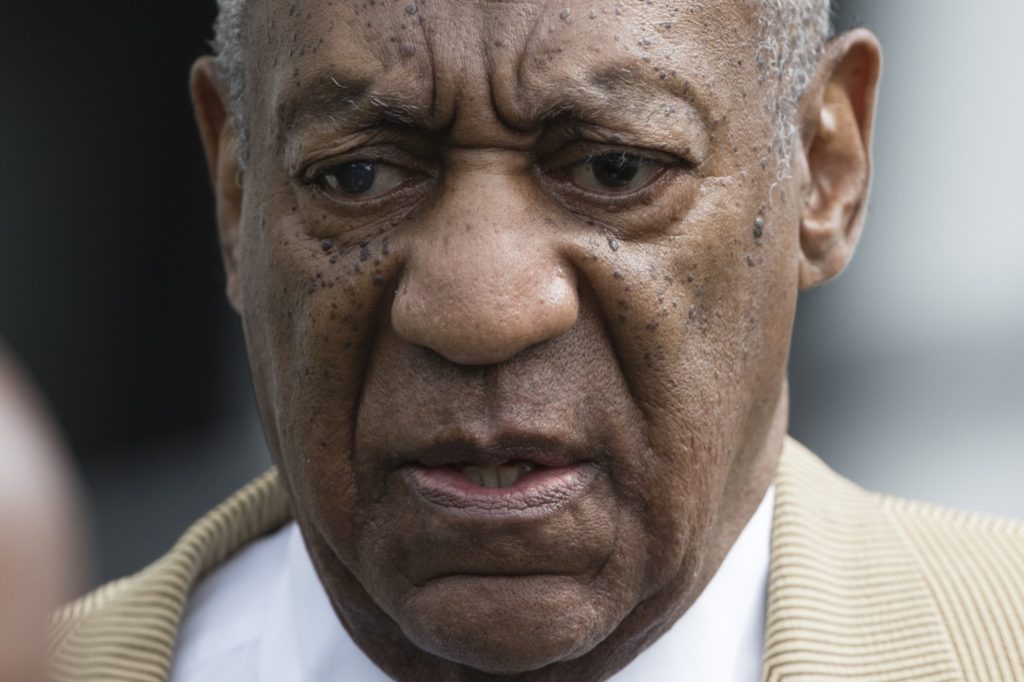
(310, 308)
(700, 322)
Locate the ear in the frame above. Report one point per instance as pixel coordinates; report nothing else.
(835, 119)
(211, 105)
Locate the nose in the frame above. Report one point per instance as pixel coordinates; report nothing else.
(479, 291)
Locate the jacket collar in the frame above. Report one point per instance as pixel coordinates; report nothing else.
(846, 596)
(126, 630)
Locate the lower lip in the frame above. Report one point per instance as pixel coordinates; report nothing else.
(541, 489)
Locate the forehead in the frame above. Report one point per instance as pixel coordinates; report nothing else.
(422, 59)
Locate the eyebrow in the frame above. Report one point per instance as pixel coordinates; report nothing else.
(336, 96)
(355, 101)
(616, 82)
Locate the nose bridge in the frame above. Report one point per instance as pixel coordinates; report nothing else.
(483, 281)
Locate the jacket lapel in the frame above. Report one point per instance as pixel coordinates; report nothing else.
(126, 630)
(846, 598)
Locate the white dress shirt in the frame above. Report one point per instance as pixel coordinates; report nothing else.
(264, 617)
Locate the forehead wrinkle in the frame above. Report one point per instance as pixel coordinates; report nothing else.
(360, 78)
(535, 90)
(595, 93)
(345, 101)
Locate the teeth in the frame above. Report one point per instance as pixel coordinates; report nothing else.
(508, 474)
(489, 476)
(502, 476)
(473, 474)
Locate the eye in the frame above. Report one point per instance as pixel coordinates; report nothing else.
(615, 172)
(361, 179)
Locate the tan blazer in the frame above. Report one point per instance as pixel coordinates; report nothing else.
(863, 586)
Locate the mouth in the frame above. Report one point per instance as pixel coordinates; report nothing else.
(500, 476)
(499, 480)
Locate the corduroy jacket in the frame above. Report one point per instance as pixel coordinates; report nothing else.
(862, 586)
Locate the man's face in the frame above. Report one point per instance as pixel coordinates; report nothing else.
(526, 245)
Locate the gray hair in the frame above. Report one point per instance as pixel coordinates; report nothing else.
(227, 46)
(792, 35)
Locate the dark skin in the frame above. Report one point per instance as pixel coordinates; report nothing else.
(512, 231)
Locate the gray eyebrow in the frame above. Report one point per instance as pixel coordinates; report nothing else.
(335, 96)
(607, 90)
(615, 81)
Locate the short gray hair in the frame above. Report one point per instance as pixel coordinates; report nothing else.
(792, 36)
(227, 47)
(791, 40)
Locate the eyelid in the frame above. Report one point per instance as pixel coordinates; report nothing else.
(316, 170)
(306, 171)
(576, 152)
(552, 173)
(416, 170)
(680, 142)
(648, 172)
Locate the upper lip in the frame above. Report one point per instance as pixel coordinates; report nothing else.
(538, 450)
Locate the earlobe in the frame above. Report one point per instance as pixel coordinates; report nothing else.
(211, 106)
(836, 119)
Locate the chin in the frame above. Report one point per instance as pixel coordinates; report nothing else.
(506, 625)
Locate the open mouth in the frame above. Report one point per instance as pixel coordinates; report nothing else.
(518, 474)
(500, 476)
(513, 485)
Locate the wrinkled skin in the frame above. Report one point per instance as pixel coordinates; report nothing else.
(488, 293)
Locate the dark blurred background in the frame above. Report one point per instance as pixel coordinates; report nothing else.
(907, 373)
(110, 279)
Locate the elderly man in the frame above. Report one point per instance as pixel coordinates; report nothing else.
(517, 282)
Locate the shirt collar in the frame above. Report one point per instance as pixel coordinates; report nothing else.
(719, 637)
(303, 640)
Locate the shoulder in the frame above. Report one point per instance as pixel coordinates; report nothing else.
(811, 487)
(127, 629)
(973, 565)
(868, 582)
